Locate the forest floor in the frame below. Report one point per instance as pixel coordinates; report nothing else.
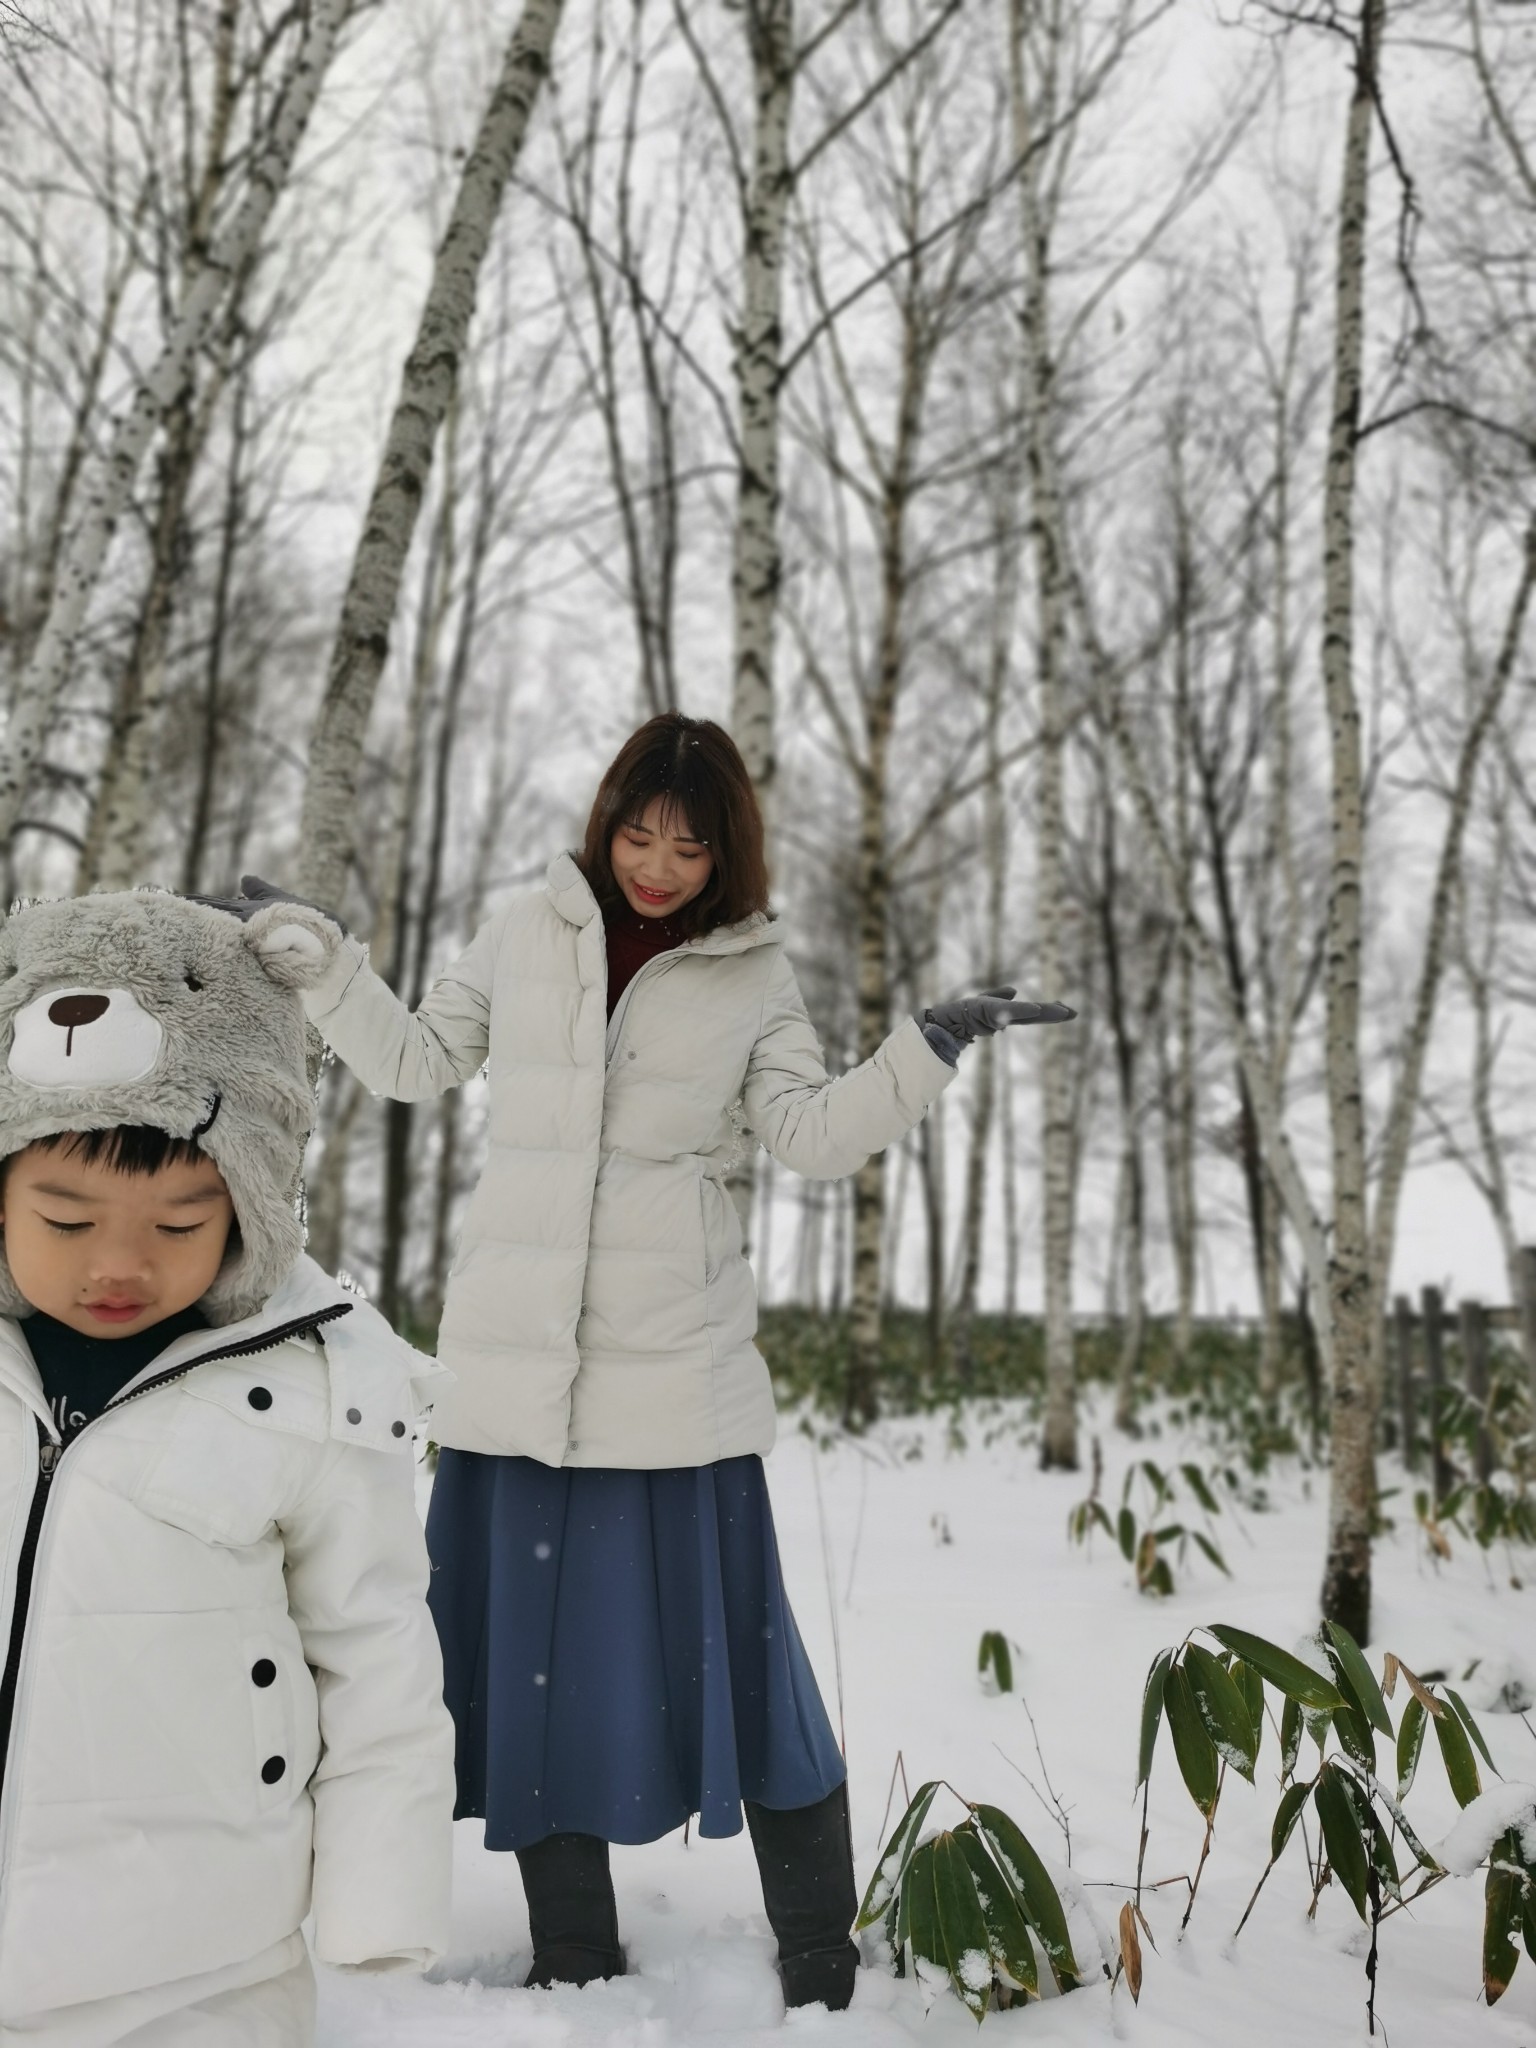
(899, 1551)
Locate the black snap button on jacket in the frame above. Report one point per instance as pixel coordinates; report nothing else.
(272, 1770)
(259, 1397)
(263, 1671)
(354, 1415)
(397, 1429)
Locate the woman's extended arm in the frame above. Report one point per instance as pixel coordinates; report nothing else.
(823, 1128)
(407, 1054)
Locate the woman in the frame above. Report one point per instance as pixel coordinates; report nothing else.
(618, 1649)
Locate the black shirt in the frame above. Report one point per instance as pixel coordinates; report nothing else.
(80, 1374)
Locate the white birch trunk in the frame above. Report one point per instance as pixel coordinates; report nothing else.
(1058, 1437)
(1349, 1303)
(758, 366)
(108, 493)
(329, 827)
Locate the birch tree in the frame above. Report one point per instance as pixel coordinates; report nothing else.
(329, 824)
(104, 499)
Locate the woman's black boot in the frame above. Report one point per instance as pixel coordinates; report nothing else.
(805, 1860)
(571, 1911)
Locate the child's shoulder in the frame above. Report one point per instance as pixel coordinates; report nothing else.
(336, 1370)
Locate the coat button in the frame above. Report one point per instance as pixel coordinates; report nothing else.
(397, 1429)
(263, 1671)
(259, 1397)
(354, 1415)
(272, 1770)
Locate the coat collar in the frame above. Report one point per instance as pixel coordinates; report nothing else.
(572, 897)
(304, 1291)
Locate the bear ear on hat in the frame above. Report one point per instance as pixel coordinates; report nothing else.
(294, 943)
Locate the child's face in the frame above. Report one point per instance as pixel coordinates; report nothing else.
(106, 1252)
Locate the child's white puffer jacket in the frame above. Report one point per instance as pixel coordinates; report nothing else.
(222, 1686)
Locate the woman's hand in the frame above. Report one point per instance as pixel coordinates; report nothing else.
(255, 895)
(964, 1018)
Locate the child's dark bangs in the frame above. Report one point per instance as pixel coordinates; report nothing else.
(126, 1148)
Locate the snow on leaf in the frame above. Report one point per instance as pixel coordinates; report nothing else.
(1483, 1820)
(974, 1969)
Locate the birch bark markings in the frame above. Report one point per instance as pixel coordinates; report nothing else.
(758, 368)
(104, 499)
(329, 824)
(1058, 1438)
(1351, 1297)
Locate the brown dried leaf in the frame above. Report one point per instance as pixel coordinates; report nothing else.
(1130, 1950)
(1389, 1670)
(1416, 1686)
(1439, 1542)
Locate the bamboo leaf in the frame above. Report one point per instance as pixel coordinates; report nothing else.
(1194, 1479)
(1191, 1745)
(1127, 1534)
(1362, 1680)
(1251, 1686)
(1151, 1714)
(1211, 1551)
(1033, 1889)
(926, 1940)
(1420, 1690)
(1007, 1930)
(1501, 1918)
(1460, 1763)
(1292, 1800)
(962, 1930)
(1467, 1722)
(1410, 1744)
(1341, 1834)
(898, 1850)
(1130, 1951)
(1290, 1737)
(1381, 1855)
(1286, 1673)
(1222, 1709)
(994, 1653)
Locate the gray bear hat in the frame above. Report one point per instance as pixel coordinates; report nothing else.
(144, 1008)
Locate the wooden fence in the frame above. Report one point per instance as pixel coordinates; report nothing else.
(1413, 1412)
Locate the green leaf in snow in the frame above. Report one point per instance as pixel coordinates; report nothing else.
(1290, 1737)
(962, 1930)
(1191, 1745)
(1007, 1930)
(888, 1871)
(1456, 1754)
(1287, 1813)
(1286, 1673)
(1127, 1534)
(1222, 1709)
(1341, 1834)
(1410, 1744)
(1033, 1889)
(1211, 1551)
(1151, 1714)
(1501, 1919)
(1362, 1680)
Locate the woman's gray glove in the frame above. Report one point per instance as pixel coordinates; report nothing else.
(255, 894)
(949, 1026)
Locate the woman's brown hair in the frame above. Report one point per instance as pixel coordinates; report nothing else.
(693, 765)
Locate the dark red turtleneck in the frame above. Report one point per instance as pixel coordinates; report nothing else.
(632, 940)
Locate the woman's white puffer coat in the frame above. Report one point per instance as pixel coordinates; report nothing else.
(599, 1309)
(227, 1702)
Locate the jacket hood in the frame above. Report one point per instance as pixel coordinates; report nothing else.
(143, 1008)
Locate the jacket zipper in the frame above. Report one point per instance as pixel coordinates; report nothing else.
(49, 1454)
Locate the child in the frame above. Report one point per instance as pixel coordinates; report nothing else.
(221, 1695)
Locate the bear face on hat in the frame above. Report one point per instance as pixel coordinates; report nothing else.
(144, 1008)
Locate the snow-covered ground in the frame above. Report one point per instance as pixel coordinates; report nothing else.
(899, 1552)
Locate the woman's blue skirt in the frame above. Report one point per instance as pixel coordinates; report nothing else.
(618, 1650)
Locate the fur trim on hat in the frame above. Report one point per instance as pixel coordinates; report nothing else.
(143, 1008)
